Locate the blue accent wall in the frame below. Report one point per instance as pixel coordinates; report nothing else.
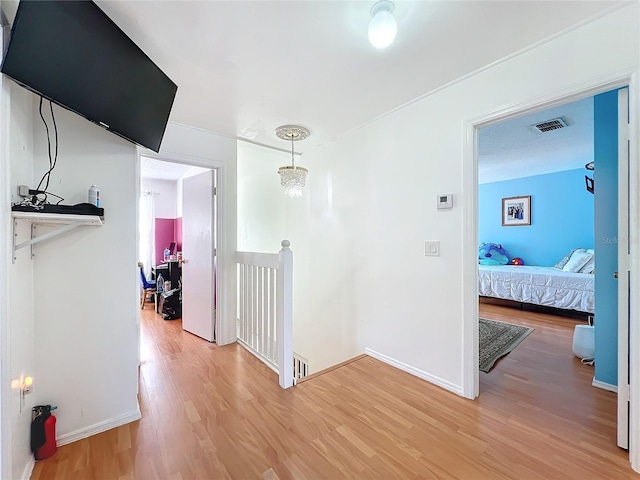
(606, 228)
(562, 216)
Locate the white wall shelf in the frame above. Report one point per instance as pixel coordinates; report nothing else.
(62, 222)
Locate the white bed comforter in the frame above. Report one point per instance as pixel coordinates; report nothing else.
(539, 285)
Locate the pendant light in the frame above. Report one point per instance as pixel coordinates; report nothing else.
(292, 178)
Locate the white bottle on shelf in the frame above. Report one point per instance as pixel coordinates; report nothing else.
(94, 196)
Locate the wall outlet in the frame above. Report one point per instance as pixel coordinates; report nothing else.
(23, 190)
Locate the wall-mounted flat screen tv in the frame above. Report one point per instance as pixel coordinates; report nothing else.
(73, 54)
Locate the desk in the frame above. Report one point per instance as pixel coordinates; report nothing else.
(171, 272)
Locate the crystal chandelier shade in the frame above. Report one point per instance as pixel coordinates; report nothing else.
(292, 178)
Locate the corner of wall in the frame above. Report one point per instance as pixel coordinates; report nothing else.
(17, 351)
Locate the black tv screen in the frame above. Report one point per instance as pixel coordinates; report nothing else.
(71, 53)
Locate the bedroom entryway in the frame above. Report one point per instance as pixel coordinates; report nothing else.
(570, 203)
(181, 211)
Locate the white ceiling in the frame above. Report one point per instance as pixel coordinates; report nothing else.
(159, 170)
(514, 149)
(245, 67)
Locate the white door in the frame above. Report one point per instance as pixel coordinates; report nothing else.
(198, 253)
(624, 273)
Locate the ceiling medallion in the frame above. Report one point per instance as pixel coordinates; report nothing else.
(292, 132)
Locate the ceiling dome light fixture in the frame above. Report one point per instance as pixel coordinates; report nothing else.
(292, 178)
(382, 27)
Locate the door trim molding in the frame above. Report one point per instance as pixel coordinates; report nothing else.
(623, 262)
(634, 265)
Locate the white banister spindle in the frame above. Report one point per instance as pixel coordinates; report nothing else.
(250, 311)
(272, 354)
(284, 317)
(242, 307)
(260, 331)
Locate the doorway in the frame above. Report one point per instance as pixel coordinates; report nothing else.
(471, 309)
(539, 160)
(540, 157)
(178, 234)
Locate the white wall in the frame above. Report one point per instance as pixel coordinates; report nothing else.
(16, 281)
(365, 282)
(266, 217)
(21, 313)
(86, 285)
(262, 205)
(165, 194)
(205, 149)
(17, 358)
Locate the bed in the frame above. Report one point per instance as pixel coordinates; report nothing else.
(546, 286)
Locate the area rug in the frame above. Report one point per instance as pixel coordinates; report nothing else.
(498, 339)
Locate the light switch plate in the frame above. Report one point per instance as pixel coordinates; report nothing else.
(432, 249)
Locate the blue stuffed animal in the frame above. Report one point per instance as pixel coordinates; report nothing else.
(492, 254)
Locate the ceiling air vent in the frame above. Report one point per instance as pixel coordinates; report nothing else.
(549, 125)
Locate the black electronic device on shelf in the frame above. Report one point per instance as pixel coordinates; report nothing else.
(78, 209)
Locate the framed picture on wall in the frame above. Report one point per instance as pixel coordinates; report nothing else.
(516, 211)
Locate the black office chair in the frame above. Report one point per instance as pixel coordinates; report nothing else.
(148, 288)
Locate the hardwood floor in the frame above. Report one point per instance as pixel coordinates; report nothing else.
(214, 412)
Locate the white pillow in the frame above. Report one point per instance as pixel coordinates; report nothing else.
(578, 259)
(565, 259)
(590, 266)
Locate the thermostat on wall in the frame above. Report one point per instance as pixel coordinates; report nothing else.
(445, 200)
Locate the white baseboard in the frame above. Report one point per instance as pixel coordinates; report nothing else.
(604, 386)
(28, 468)
(457, 389)
(99, 427)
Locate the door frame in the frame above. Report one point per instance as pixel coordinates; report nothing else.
(220, 306)
(623, 270)
(470, 373)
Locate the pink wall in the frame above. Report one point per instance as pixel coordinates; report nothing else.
(165, 228)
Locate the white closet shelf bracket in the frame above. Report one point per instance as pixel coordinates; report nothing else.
(63, 222)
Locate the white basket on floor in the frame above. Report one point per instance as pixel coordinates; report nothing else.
(584, 341)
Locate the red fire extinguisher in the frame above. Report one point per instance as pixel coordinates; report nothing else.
(43, 432)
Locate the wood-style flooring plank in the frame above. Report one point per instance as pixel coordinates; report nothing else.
(214, 412)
